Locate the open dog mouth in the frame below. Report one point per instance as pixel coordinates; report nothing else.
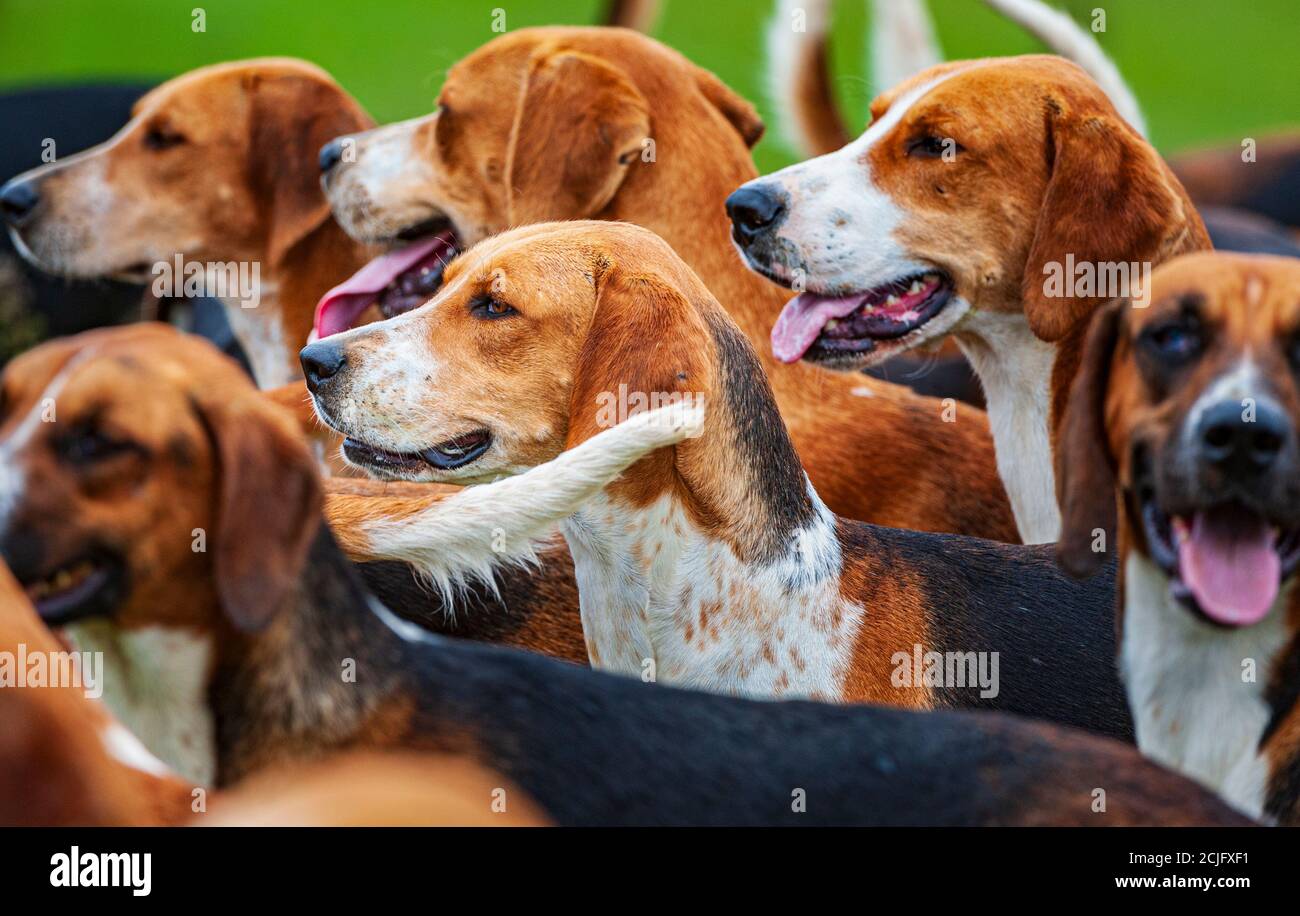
(1226, 562)
(445, 456)
(825, 328)
(83, 588)
(403, 279)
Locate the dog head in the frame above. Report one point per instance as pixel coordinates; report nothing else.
(972, 178)
(1189, 410)
(534, 333)
(215, 165)
(136, 467)
(539, 124)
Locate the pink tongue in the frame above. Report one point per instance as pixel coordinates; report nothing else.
(802, 320)
(1231, 567)
(340, 307)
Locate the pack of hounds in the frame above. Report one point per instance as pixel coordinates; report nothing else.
(570, 486)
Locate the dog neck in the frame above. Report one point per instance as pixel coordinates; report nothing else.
(1016, 371)
(717, 565)
(312, 680)
(1200, 694)
(272, 332)
(215, 705)
(155, 683)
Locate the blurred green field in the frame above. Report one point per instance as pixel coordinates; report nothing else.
(1205, 70)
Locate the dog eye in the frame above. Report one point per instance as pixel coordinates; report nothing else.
(933, 147)
(88, 446)
(1176, 341)
(159, 139)
(487, 307)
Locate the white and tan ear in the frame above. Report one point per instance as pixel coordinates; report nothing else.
(454, 539)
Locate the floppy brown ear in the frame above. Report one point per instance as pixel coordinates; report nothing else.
(1085, 471)
(293, 116)
(268, 506)
(1109, 198)
(738, 111)
(579, 126)
(644, 335)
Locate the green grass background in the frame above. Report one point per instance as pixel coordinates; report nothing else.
(1204, 70)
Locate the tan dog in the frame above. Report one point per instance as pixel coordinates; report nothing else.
(569, 123)
(285, 628)
(976, 183)
(215, 167)
(159, 509)
(714, 564)
(1188, 412)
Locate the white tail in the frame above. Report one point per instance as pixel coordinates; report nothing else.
(796, 37)
(1065, 37)
(902, 42)
(799, 84)
(463, 537)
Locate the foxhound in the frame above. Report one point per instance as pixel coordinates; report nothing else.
(275, 654)
(1187, 412)
(977, 185)
(436, 184)
(714, 564)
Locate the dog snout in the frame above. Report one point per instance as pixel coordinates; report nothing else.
(1240, 439)
(321, 361)
(331, 154)
(18, 200)
(755, 209)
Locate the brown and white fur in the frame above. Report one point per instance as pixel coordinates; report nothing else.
(187, 441)
(593, 98)
(1042, 166)
(64, 759)
(903, 44)
(1188, 410)
(217, 165)
(167, 491)
(714, 564)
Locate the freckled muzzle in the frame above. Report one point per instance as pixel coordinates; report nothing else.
(757, 210)
(325, 367)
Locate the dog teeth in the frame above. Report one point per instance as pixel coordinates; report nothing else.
(832, 324)
(892, 300)
(916, 287)
(60, 581)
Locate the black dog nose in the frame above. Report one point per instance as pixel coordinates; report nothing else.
(754, 209)
(320, 362)
(17, 201)
(331, 154)
(1241, 437)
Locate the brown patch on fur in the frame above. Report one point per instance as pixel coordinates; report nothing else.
(241, 185)
(57, 768)
(901, 437)
(893, 623)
